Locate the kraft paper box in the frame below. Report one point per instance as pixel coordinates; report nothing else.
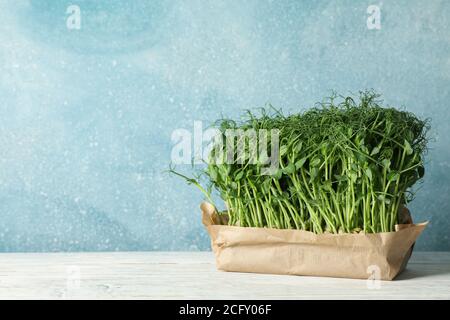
(298, 252)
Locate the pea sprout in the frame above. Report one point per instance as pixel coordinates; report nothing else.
(345, 166)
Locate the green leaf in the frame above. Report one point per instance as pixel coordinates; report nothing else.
(299, 164)
(224, 169)
(386, 163)
(327, 185)
(408, 149)
(368, 173)
(289, 169)
(340, 178)
(361, 157)
(277, 174)
(283, 150)
(315, 162)
(359, 141)
(313, 173)
(349, 132)
(393, 176)
(212, 173)
(409, 135)
(239, 176)
(375, 151)
(324, 148)
(353, 175)
(387, 153)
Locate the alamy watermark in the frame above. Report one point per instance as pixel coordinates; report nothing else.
(231, 146)
(374, 18)
(73, 21)
(73, 277)
(73, 281)
(374, 280)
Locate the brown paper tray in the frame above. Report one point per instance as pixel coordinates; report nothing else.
(298, 252)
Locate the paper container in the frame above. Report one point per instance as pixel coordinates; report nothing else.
(296, 252)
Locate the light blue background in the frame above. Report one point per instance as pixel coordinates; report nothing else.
(86, 115)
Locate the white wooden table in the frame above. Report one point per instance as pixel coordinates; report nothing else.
(192, 275)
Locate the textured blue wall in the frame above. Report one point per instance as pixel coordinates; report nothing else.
(86, 115)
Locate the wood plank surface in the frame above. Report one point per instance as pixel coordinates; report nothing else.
(192, 275)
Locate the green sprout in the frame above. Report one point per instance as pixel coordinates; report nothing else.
(345, 166)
